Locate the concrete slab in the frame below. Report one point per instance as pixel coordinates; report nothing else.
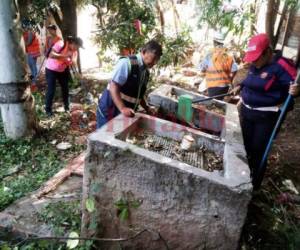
(208, 116)
(188, 207)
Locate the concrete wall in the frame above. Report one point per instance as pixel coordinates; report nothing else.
(180, 205)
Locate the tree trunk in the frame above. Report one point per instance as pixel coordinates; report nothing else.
(176, 17)
(271, 15)
(16, 101)
(161, 16)
(282, 17)
(69, 24)
(23, 10)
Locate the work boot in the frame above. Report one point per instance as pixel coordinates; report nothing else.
(49, 113)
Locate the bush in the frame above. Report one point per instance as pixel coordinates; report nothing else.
(116, 27)
(175, 49)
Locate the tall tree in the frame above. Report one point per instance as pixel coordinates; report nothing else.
(271, 16)
(16, 101)
(67, 21)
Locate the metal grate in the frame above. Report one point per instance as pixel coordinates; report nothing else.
(199, 157)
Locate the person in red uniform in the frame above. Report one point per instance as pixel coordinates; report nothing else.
(32, 47)
(266, 87)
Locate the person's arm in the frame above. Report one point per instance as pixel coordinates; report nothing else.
(151, 110)
(56, 55)
(144, 105)
(56, 51)
(119, 78)
(294, 90)
(286, 81)
(29, 39)
(204, 64)
(114, 90)
(74, 59)
(234, 69)
(236, 90)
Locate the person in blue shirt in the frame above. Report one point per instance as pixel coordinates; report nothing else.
(266, 87)
(129, 81)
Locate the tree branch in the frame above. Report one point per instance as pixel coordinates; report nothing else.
(56, 17)
(97, 239)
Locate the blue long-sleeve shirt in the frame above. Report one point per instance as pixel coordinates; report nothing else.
(269, 85)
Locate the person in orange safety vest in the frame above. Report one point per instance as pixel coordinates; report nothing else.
(51, 39)
(32, 47)
(219, 68)
(62, 56)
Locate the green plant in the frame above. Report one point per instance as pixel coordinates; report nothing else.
(116, 25)
(217, 14)
(123, 207)
(175, 48)
(63, 216)
(27, 163)
(65, 219)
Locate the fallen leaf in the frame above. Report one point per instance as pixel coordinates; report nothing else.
(63, 145)
(90, 205)
(71, 244)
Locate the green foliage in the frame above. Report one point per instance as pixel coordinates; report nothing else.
(175, 48)
(116, 25)
(71, 244)
(124, 206)
(63, 216)
(27, 163)
(293, 4)
(238, 20)
(37, 11)
(90, 205)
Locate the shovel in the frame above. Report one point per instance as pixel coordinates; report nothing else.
(185, 110)
(197, 100)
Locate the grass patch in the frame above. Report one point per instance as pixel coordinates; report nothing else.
(64, 217)
(25, 164)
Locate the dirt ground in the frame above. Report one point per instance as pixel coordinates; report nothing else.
(273, 220)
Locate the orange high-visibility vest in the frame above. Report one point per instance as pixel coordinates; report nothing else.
(218, 73)
(64, 51)
(51, 41)
(34, 47)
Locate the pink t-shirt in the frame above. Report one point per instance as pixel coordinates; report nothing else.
(60, 65)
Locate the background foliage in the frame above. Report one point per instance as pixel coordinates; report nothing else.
(116, 20)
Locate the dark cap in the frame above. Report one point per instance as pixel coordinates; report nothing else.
(79, 42)
(52, 27)
(76, 40)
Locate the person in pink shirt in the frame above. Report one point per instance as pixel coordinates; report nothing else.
(62, 55)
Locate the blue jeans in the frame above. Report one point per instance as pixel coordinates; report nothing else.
(106, 109)
(32, 65)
